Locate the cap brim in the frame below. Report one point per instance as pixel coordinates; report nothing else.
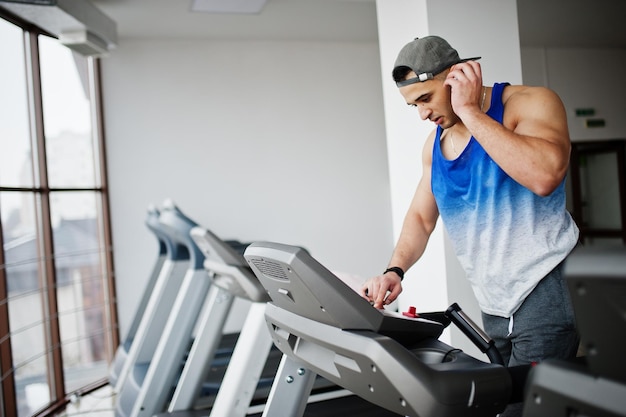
(476, 58)
(418, 79)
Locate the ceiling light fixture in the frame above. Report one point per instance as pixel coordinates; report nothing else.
(228, 6)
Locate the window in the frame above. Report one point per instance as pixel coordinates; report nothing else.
(57, 316)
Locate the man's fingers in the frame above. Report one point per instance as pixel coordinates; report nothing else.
(380, 300)
(393, 294)
(380, 291)
(364, 291)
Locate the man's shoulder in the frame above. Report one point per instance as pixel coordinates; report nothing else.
(523, 102)
(521, 94)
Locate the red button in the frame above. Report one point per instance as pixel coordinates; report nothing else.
(410, 312)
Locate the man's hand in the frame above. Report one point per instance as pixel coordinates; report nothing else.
(382, 290)
(466, 83)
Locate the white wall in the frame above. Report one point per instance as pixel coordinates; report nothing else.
(583, 78)
(280, 141)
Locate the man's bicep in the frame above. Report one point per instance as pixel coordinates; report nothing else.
(541, 115)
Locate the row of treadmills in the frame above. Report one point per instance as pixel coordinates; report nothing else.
(311, 346)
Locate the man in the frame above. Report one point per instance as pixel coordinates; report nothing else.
(494, 169)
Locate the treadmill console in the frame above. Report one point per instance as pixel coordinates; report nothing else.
(296, 282)
(230, 270)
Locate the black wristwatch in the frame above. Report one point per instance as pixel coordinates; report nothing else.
(397, 270)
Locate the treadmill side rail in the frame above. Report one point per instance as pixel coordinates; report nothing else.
(433, 379)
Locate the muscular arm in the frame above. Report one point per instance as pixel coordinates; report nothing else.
(419, 223)
(532, 145)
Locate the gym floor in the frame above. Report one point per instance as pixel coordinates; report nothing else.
(101, 403)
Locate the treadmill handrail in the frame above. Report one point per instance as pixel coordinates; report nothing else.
(177, 227)
(228, 268)
(474, 333)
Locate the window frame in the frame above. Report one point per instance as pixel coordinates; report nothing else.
(41, 192)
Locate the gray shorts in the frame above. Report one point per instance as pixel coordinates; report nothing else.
(543, 327)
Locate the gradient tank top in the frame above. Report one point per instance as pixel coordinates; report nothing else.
(506, 237)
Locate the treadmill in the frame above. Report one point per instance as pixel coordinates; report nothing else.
(159, 296)
(244, 370)
(393, 360)
(181, 356)
(152, 222)
(154, 365)
(596, 278)
(235, 382)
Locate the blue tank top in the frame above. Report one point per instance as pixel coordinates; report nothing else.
(506, 237)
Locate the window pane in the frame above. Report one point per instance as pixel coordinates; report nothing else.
(67, 119)
(15, 159)
(33, 392)
(25, 300)
(81, 286)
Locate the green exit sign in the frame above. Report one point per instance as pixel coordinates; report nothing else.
(585, 112)
(594, 123)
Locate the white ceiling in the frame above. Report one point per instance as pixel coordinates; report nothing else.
(324, 20)
(582, 23)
